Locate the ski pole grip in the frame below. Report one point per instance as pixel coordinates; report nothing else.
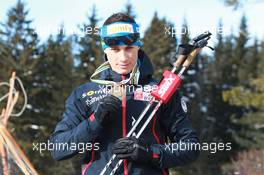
(190, 58)
(184, 51)
(180, 60)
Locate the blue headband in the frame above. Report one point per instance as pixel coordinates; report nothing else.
(118, 29)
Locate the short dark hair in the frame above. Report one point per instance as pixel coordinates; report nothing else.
(119, 17)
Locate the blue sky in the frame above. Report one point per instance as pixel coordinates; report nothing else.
(201, 15)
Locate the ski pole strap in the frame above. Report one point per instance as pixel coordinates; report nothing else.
(202, 36)
(185, 49)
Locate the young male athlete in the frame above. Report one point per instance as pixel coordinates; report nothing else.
(93, 115)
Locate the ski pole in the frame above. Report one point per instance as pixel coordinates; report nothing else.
(166, 88)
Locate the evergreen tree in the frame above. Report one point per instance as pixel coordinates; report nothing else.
(158, 45)
(255, 61)
(46, 72)
(89, 48)
(19, 43)
(233, 61)
(57, 75)
(57, 78)
(216, 124)
(185, 33)
(195, 92)
(129, 10)
(241, 53)
(250, 133)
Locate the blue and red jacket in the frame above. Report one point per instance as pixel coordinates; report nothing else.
(78, 125)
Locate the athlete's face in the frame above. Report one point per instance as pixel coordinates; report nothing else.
(122, 59)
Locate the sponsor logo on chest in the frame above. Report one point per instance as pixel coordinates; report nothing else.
(142, 94)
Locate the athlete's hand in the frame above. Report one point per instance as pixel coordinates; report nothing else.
(132, 149)
(107, 109)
